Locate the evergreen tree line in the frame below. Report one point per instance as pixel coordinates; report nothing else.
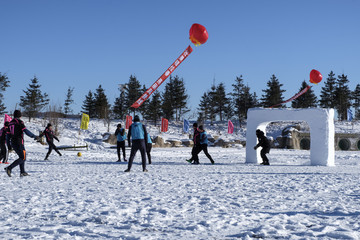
(215, 104)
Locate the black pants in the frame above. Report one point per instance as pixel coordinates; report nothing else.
(20, 151)
(148, 150)
(138, 144)
(203, 147)
(194, 153)
(121, 145)
(3, 153)
(263, 153)
(51, 147)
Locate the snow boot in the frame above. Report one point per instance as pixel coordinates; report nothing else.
(145, 170)
(24, 174)
(127, 170)
(8, 171)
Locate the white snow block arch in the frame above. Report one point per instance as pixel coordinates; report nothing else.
(320, 121)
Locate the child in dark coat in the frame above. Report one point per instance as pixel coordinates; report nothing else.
(49, 135)
(265, 144)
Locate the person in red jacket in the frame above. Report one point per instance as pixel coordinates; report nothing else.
(49, 135)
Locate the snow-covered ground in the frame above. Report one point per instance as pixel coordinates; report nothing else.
(90, 197)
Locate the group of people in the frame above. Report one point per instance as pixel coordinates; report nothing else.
(140, 140)
(12, 135)
(12, 138)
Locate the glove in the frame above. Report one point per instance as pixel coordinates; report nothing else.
(58, 140)
(255, 148)
(37, 138)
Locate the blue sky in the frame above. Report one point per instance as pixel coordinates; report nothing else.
(84, 43)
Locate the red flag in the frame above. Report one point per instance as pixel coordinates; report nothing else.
(230, 127)
(163, 77)
(7, 118)
(128, 121)
(164, 124)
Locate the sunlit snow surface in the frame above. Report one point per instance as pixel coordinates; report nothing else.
(90, 197)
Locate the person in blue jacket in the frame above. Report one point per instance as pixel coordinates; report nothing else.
(120, 134)
(17, 130)
(203, 145)
(148, 147)
(137, 132)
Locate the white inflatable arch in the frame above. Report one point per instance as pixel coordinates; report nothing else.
(322, 131)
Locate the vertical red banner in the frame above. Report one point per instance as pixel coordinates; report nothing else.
(128, 121)
(230, 127)
(164, 125)
(7, 118)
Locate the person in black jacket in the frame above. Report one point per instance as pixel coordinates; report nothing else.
(196, 146)
(265, 144)
(17, 130)
(4, 132)
(49, 135)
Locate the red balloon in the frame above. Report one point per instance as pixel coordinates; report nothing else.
(315, 76)
(198, 34)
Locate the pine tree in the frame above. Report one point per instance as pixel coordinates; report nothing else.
(153, 111)
(180, 97)
(4, 83)
(222, 101)
(247, 101)
(167, 99)
(343, 96)
(204, 108)
(307, 100)
(273, 94)
(33, 101)
(236, 94)
(143, 108)
(119, 107)
(356, 99)
(212, 102)
(68, 101)
(102, 106)
(88, 106)
(133, 92)
(327, 96)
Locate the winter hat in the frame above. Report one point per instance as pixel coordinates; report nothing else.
(17, 114)
(119, 125)
(195, 125)
(201, 127)
(136, 118)
(49, 125)
(259, 132)
(6, 124)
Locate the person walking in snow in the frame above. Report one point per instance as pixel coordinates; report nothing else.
(50, 136)
(137, 132)
(120, 134)
(4, 154)
(265, 144)
(203, 145)
(148, 148)
(17, 130)
(196, 146)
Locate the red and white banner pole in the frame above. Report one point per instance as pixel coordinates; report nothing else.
(163, 77)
